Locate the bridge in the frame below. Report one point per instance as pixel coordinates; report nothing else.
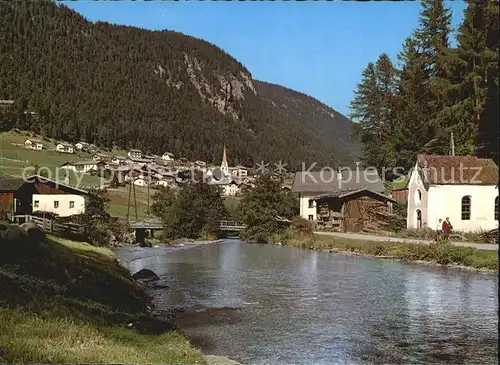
(231, 226)
(142, 225)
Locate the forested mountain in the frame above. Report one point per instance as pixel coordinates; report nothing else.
(435, 90)
(154, 90)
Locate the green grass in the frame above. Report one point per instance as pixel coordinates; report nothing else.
(28, 338)
(84, 247)
(69, 302)
(118, 201)
(444, 254)
(16, 160)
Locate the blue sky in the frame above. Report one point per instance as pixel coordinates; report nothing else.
(318, 48)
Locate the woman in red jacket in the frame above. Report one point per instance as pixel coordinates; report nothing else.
(447, 227)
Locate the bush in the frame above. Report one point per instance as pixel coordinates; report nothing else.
(396, 224)
(420, 233)
(302, 227)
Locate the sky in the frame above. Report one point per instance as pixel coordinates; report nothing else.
(318, 48)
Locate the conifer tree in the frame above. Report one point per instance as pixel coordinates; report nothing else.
(373, 107)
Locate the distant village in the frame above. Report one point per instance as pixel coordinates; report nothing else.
(153, 171)
(432, 193)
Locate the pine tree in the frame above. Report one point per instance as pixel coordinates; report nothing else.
(432, 37)
(413, 130)
(373, 107)
(475, 80)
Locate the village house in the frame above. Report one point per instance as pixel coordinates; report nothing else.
(64, 148)
(119, 160)
(136, 161)
(34, 144)
(36, 193)
(57, 198)
(463, 188)
(168, 156)
(82, 146)
(135, 154)
(6, 103)
(15, 196)
(239, 171)
(84, 166)
(310, 185)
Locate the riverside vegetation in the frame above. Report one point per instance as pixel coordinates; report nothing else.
(70, 302)
(267, 200)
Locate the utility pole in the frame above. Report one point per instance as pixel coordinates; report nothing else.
(128, 204)
(149, 183)
(135, 204)
(452, 145)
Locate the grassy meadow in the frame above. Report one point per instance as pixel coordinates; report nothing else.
(15, 160)
(70, 302)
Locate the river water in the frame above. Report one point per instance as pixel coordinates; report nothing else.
(266, 304)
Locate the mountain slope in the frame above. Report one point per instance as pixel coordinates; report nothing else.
(154, 90)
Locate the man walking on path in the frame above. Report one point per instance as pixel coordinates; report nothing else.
(447, 227)
(439, 231)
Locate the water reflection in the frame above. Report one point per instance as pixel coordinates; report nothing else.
(264, 304)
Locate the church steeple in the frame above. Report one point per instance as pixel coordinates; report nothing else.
(224, 165)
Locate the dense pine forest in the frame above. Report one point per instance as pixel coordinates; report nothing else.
(413, 105)
(154, 90)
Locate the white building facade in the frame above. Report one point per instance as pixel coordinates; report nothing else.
(63, 205)
(462, 188)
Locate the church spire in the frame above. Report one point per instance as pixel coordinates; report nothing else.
(224, 165)
(224, 157)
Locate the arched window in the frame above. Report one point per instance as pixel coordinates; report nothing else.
(418, 196)
(466, 204)
(497, 214)
(419, 218)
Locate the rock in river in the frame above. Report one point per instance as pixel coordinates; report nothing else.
(145, 275)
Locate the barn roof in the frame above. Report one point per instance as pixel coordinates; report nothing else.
(346, 193)
(45, 180)
(329, 181)
(458, 170)
(9, 184)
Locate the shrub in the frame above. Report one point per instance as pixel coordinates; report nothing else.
(302, 227)
(396, 224)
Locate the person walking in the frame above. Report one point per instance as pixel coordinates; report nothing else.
(439, 230)
(447, 227)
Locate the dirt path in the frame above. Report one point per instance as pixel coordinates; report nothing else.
(367, 237)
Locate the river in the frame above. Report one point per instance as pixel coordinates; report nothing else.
(266, 304)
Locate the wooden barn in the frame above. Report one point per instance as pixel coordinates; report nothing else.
(400, 195)
(15, 196)
(352, 210)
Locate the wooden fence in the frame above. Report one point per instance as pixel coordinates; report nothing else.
(51, 226)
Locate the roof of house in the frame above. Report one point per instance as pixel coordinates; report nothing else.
(6, 102)
(346, 193)
(458, 170)
(41, 179)
(139, 160)
(83, 143)
(168, 154)
(327, 181)
(88, 162)
(133, 150)
(33, 140)
(67, 145)
(9, 183)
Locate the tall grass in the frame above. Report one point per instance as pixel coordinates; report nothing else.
(70, 302)
(439, 253)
